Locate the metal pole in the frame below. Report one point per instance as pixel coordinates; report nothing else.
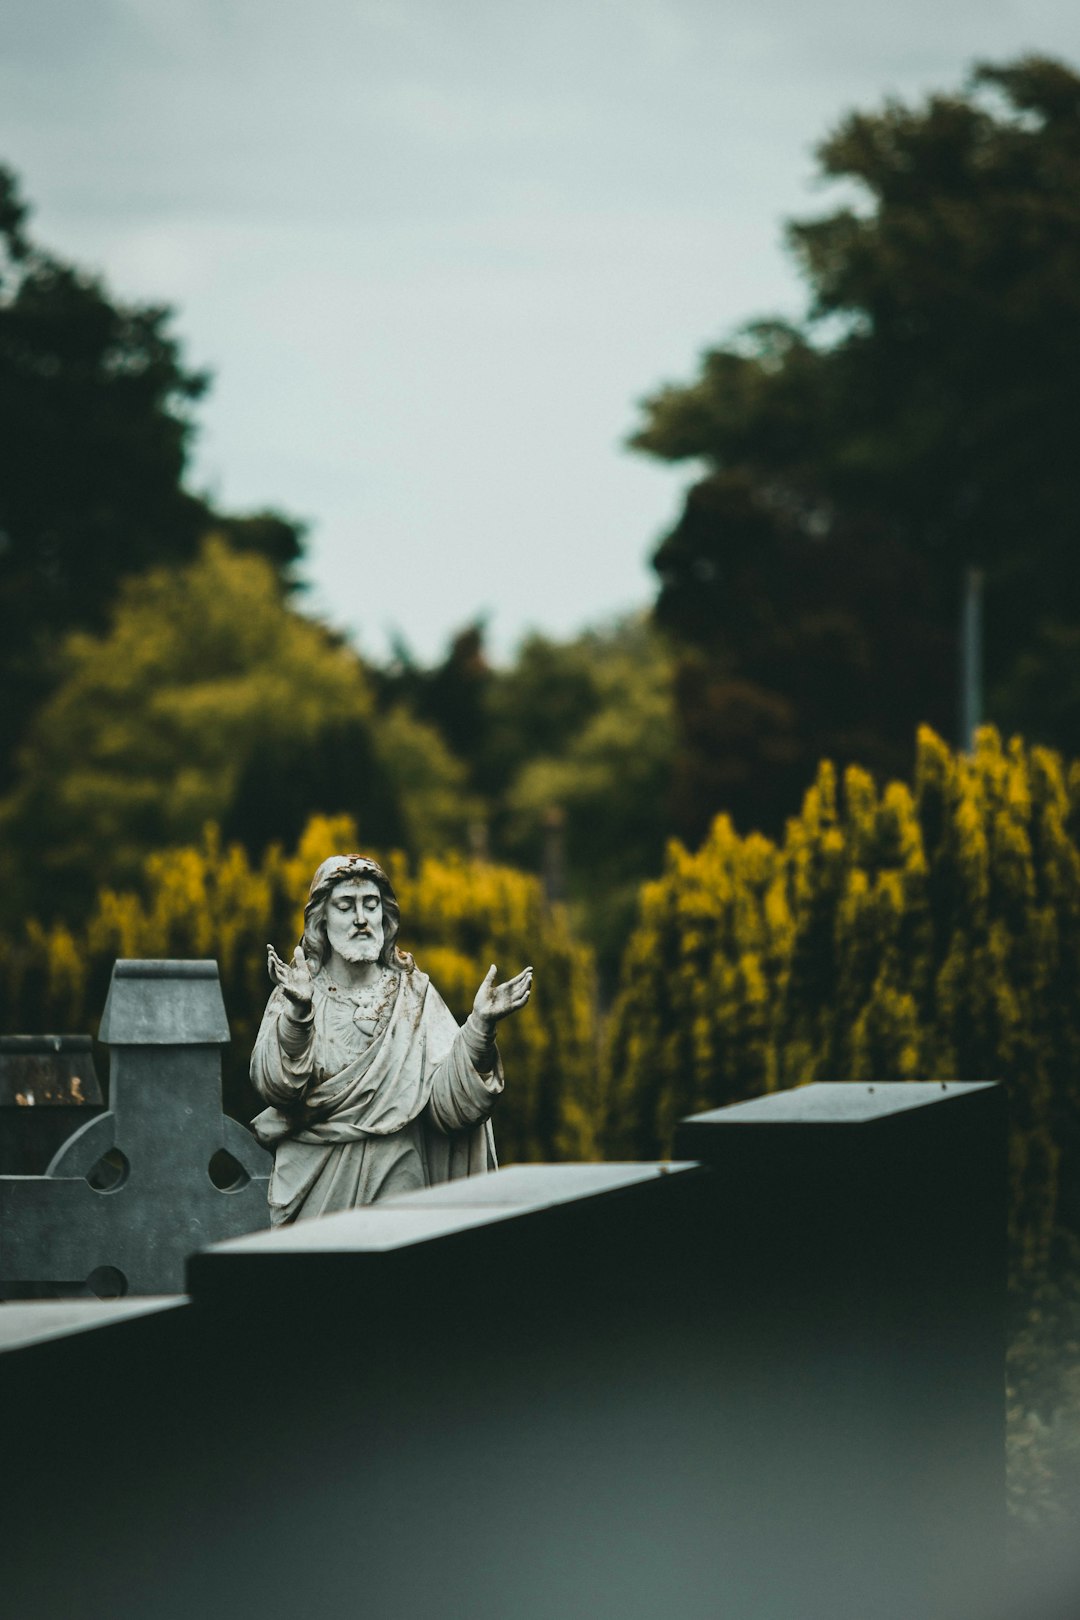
(554, 859)
(971, 699)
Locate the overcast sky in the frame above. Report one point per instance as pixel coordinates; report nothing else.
(435, 252)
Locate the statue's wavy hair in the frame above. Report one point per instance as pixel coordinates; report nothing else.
(336, 869)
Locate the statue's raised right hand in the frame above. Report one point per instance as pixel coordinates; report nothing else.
(294, 978)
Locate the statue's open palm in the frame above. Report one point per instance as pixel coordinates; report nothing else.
(294, 977)
(497, 1001)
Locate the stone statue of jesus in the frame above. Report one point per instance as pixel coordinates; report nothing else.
(372, 1087)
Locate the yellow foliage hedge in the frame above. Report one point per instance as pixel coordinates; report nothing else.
(457, 918)
(930, 932)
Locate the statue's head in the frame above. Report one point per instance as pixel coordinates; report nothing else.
(342, 873)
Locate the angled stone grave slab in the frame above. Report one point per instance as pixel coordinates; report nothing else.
(356, 1247)
(24, 1326)
(162, 1173)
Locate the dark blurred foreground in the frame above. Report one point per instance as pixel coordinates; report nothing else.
(764, 1384)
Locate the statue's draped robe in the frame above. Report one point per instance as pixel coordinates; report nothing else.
(353, 1119)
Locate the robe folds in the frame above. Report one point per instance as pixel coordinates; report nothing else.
(353, 1119)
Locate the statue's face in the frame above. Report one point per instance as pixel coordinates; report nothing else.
(354, 920)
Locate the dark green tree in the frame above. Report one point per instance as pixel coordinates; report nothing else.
(449, 696)
(921, 421)
(589, 803)
(567, 756)
(95, 430)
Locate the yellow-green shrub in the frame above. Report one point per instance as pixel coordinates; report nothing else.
(893, 935)
(457, 918)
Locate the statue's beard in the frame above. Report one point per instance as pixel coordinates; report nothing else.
(367, 948)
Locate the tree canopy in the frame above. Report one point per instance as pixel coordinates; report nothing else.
(95, 432)
(593, 780)
(568, 754)
(920, 421)
(209, 700)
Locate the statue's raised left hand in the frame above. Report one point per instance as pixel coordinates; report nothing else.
(496, 1001)
(294, 978)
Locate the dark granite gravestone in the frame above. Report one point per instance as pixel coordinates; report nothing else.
(163, 1172)
(868, 1223)
(48, 1087)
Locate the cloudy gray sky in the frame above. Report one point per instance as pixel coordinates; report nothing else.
(435, 252)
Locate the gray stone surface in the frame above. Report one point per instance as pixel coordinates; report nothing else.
(24, 1325)
(535, 1186)
(833, 1103)
(129, 1196)
(137, 1013)
(252, 1264)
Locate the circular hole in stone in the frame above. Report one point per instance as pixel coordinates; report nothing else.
(110, 1172)
(227, 1173)
(107, 1282)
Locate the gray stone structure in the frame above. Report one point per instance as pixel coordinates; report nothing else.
(161, 1173)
